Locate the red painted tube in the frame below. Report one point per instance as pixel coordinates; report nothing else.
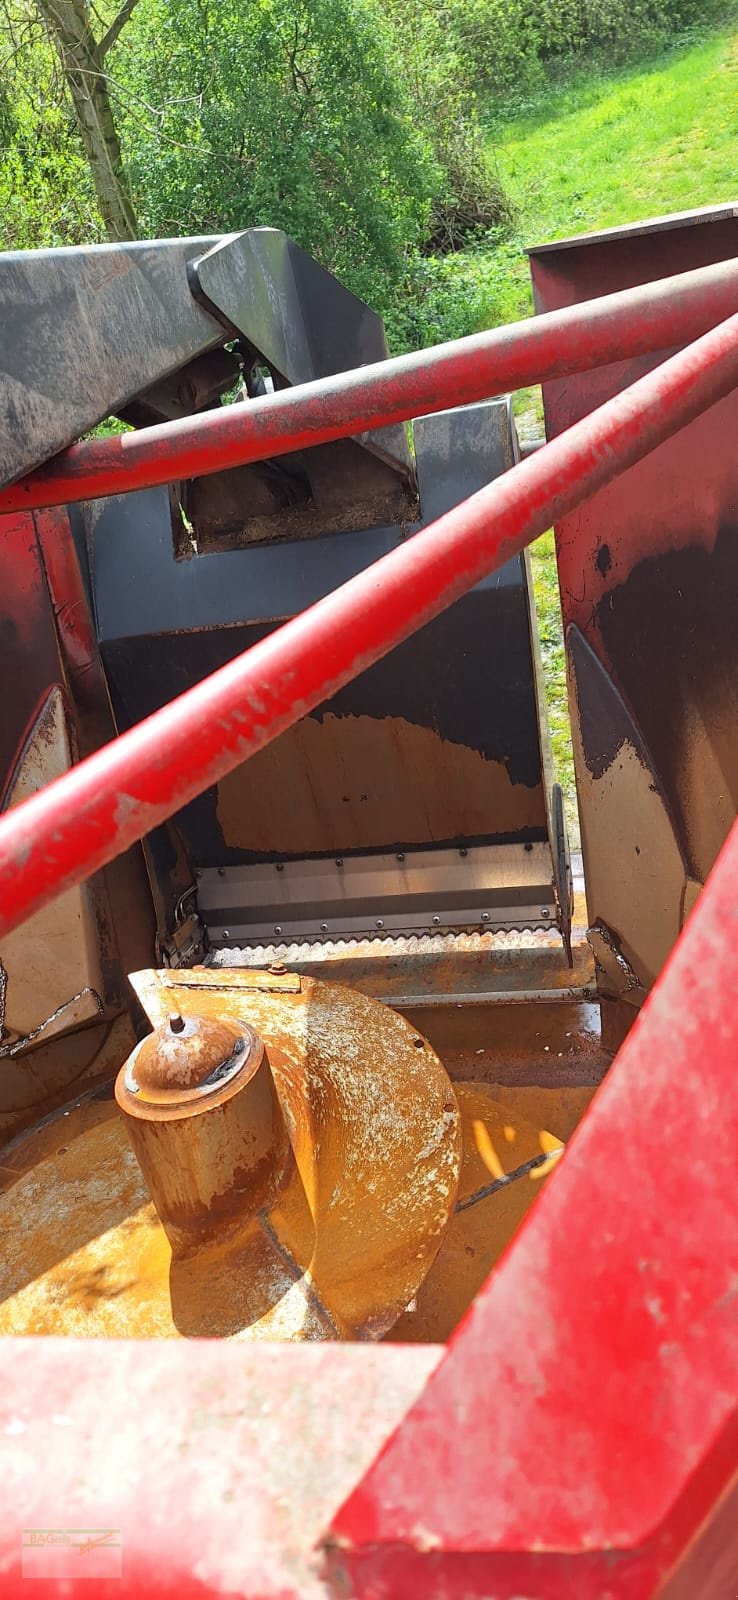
(656, 316)
(92, 813)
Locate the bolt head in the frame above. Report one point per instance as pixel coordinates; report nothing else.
(277, 927)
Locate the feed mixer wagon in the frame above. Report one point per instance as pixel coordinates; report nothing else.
(367, 1159)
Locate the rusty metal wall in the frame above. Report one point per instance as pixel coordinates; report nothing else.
(649, 586)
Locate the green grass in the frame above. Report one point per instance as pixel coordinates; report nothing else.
(622, 146)
(601, 149)
(550, 633)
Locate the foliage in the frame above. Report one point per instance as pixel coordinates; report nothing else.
(353, 124)
(279, 112)
(450, 296)
(598, 149)
(508, 47)
(470, 199)
(302, 114)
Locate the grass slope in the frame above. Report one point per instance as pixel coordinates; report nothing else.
(592, 153)
(610, 149)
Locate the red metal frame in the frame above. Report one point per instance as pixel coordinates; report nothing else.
(656, 316)
(579, 1438)
(580, 1435)
(103, 805)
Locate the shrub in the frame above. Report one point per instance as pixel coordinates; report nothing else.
(506, 46)
(454, 295)
(470, 198)
(294, 113)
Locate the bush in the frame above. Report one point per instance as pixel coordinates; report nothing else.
(299, 114)
(454, 295)
(498, 41)
(619, 27)
(506, 46)
(349, 123)
(470, 198)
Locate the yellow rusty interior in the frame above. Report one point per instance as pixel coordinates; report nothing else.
(420, 1141)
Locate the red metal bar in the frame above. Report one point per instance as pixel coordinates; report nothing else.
(579, 1435)
(92, 813)
(657, 316)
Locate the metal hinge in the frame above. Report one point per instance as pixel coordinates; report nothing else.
(185, 943)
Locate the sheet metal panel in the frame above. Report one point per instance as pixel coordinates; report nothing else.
(649, 587)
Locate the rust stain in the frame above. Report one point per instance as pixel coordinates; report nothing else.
(204, 1120)
(54, 955)
(359, 782)
(637, 893)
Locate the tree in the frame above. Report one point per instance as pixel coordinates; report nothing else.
(344, 122)
(82, 57)
(289, 113)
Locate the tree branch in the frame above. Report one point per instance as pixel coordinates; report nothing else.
(119, 22)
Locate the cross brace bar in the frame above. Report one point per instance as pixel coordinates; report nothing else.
(654, 317)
